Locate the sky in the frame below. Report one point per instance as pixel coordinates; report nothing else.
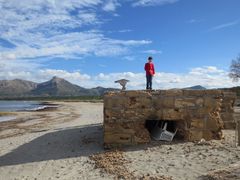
(95, 42)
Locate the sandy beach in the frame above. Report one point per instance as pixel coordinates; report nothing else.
(67, 143)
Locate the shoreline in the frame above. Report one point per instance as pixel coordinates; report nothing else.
(12, 115)
(23, 106)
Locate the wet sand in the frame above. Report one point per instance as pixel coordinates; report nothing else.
(67, 143)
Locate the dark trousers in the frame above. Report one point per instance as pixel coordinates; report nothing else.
(149, 81)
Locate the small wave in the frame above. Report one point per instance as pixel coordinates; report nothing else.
(40, 108)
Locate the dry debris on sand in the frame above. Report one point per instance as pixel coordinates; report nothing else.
(230, 173)
(114, 162)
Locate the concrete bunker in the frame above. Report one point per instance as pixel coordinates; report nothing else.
(129, 116)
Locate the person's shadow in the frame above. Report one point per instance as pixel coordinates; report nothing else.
(60, 144)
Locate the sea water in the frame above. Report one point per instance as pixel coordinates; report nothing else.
(14, 106)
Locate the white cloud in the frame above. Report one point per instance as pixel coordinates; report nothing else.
(208, 76)
(125, 30)
(225, 25)
(211, 77)
(120, 31)
(46, 28)
(111, 5)
(75, 77)
(28, 70)
(129, 58)
(102, 65)
(153, 2)
(73, 44)
(206, 70)
(152, 51)
(25, 15)
(17, 69)
(7, 56)
(132, 42)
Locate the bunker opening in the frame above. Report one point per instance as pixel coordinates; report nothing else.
(165, 130)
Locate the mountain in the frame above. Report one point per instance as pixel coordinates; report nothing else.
(54, 87)
(198, 87)
(16, 87)
(59, 87)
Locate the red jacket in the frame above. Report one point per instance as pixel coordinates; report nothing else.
(149, 68)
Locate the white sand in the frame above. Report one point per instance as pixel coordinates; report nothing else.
(57, 145)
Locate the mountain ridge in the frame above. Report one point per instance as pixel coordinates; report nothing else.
(59, 87)
(16, 87)
(55, 87)
(197, 87)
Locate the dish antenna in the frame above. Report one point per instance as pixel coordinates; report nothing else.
(123, 83)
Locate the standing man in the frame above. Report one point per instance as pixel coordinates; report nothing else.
(150, 71)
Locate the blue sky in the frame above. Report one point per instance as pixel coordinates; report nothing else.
(95, 42)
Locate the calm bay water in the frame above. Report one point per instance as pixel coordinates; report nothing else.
(11, 106)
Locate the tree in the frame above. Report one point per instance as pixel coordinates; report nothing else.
(235, 69)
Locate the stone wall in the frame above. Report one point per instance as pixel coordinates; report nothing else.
(196, 114)
(227, 110)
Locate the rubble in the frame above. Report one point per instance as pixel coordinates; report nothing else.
(114, 163)
(231, 173)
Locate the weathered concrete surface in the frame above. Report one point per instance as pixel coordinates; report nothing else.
(227, 110)
(197, 114)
